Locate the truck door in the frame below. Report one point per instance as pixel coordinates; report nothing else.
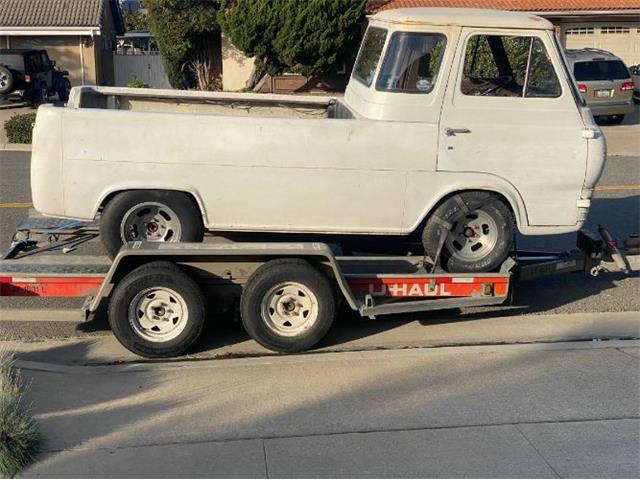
(509, 114)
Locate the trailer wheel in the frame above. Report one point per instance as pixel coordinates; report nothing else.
(151, 216)
(157, 311)
(481, 232)
(287, 305)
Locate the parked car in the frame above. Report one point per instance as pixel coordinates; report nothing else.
(456, 124)
(635, 77)
(604, 81)
(32, 75)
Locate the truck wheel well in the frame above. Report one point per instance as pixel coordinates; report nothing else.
(418, 231)
(111, 195)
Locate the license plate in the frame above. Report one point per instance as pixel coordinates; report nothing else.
(603, 93)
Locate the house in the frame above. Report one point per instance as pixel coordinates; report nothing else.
(612, 25)
(78, 34)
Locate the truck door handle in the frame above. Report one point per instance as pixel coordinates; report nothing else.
(449, 132)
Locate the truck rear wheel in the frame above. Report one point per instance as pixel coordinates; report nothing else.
(157, 311)
(480, 236)
(287, 305)
(152, 216)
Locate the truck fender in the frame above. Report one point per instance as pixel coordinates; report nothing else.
(495, 185)
(107, 194)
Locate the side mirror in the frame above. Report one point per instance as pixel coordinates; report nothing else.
(53, 63)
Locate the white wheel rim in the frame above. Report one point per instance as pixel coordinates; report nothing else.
(289, 309)
(473, 236)
(150, 222)
(158, 314)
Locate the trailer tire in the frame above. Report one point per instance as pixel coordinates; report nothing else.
(157, 311)
(180, 214)
(491, 232)
(287, 305)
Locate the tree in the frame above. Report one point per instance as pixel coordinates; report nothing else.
(183, 29)
(135, 21)
(309, 37)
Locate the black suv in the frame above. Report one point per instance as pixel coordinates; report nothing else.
(31, 74)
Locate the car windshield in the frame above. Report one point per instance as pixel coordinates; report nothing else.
(600, 70)
(13, 61)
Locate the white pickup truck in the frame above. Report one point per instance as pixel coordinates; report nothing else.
(463, 120)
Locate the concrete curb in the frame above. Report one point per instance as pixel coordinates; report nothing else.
(273, 359)
(15, 147)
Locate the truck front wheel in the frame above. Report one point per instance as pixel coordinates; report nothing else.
(157, 310)
(287, 305)
(479, 236)
(151, 216)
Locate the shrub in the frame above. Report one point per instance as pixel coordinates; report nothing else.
(19, 433)
(135, 82)
(19, 128)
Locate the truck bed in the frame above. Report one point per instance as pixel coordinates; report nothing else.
(214, 103)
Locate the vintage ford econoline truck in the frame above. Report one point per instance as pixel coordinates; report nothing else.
(464, 120)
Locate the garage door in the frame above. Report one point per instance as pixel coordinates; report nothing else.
(621, 39)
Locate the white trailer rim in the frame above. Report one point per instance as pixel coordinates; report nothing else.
(158, 314)
(289, 309)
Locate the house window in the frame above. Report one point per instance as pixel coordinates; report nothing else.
(579, 31)
(614, 30)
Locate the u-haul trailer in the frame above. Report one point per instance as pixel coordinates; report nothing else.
(157, 294)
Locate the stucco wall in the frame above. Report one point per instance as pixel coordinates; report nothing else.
(236, 67)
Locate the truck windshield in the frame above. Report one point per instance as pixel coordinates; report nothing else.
(12, 60)
(369, 56)
(412, 62)
(600, 70)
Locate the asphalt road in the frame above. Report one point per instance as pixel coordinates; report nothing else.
(617, 206)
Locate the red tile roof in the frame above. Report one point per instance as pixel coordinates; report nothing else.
(374, 6)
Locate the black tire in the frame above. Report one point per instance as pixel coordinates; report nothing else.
(180, 204)
(7, 80)
(616, 119)
(493, 221)
(63, 91)
(272, 275)
(156, 275)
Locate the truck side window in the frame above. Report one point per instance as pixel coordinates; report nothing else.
(369, 55)
(412, 62)
(508, 66)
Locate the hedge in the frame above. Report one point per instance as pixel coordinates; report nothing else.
(19, 128)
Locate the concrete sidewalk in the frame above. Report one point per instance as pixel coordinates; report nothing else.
(545, 410)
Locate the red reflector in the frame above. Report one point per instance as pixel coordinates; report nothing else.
(613, 243)
(27, 78)
(627, 86)
(582, 88)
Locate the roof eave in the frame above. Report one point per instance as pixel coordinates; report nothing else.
(52, 31)
(573, 13)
